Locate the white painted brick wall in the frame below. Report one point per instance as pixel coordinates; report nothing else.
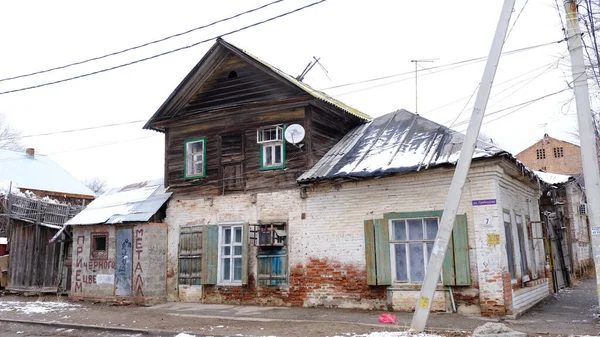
(525, 298)
(335, 215)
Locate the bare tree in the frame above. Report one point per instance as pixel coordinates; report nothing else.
(10, 138)
(97, 185)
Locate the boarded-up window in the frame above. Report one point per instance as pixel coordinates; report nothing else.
(270, 238)
(190, 255)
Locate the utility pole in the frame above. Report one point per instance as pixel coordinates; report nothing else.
(586, 130)
(434, 266)
(416, 62)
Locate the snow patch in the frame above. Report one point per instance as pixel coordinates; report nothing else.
(183, 334)
(37, 307)
(552, 178)
(389, 334)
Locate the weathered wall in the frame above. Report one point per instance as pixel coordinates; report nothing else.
(523, 200)
(95, 278)
(579, 236)
(326, 237)
(90, 277)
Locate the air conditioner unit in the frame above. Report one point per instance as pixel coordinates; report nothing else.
(583, 209)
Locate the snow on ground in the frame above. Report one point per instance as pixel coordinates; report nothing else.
(36, 307)
(183, 334)
(389, 334)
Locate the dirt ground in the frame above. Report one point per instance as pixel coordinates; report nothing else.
(571, 312)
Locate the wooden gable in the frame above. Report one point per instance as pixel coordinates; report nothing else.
(236, 82)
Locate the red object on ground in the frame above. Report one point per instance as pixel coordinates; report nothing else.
(387, 319)
(2, 250)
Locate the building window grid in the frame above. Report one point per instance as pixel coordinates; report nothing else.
(410, 239)
(195, 158)
(540, 153)
(509, 243)
(558, 152)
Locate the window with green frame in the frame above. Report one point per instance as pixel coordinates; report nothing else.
(195, 158)
(272, 147)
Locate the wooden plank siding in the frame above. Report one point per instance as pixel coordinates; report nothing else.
(235, 100)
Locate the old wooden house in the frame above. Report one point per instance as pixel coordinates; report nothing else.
(343, 217)
(42, 197)
(119, 245)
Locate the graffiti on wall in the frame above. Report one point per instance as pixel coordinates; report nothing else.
(138, 271)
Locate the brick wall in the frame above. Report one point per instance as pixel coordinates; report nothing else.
(326, 240)
(570, 163)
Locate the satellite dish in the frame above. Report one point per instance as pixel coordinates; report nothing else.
(294, 133)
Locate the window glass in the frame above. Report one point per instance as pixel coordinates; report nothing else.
(237, 269)
(399, 229)
(417, 261)
(400, 251)
(277, 150)
(227, 236)
(238, 235)
(415, 229)
(431, 225)
(226, 269)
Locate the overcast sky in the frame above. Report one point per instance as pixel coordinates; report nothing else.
(356, 41)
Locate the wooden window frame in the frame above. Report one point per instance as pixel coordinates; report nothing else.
(96, 254)
(270, 145)
(232, 256)
(510, 243)
(414, 216)
(186, 174)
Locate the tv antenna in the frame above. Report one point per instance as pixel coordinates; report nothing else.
(416, 62)
(309, 66)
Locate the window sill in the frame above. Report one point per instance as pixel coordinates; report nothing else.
(194, 177)
(412, 287)
(270, 168)
(237, 284)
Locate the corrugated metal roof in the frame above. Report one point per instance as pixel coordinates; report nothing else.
(305, 87)
(397, 142)
(39, 172)
(136, 202)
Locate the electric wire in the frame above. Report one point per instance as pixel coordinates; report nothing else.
(141, 45)
(515, 22)
(161, 54)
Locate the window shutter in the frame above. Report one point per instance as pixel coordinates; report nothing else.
(448, 275)
(245, 253)
(377, 251)
(462, 267)
(210, 256)
(370, 253)
(456, 269)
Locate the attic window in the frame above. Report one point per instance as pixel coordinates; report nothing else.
(232, 74)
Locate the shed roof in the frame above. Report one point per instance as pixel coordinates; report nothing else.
(39, 172)
(131, 203)
(168, 108)
(400, 141)
(554, 178)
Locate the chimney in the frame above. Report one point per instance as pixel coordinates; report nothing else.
(30, 151)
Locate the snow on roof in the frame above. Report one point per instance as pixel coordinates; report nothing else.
(553, 178)
(3, 241)
(134, 202)
(397, 142)
(38, 172)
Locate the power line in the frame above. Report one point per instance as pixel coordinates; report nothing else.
(458, 64)
(83, 129)
(141, 45)
(162, 54)
(524, 104)
(515, 22)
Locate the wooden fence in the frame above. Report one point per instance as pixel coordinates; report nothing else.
(38, 211)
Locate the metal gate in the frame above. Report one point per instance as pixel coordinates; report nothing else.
(124, 262)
